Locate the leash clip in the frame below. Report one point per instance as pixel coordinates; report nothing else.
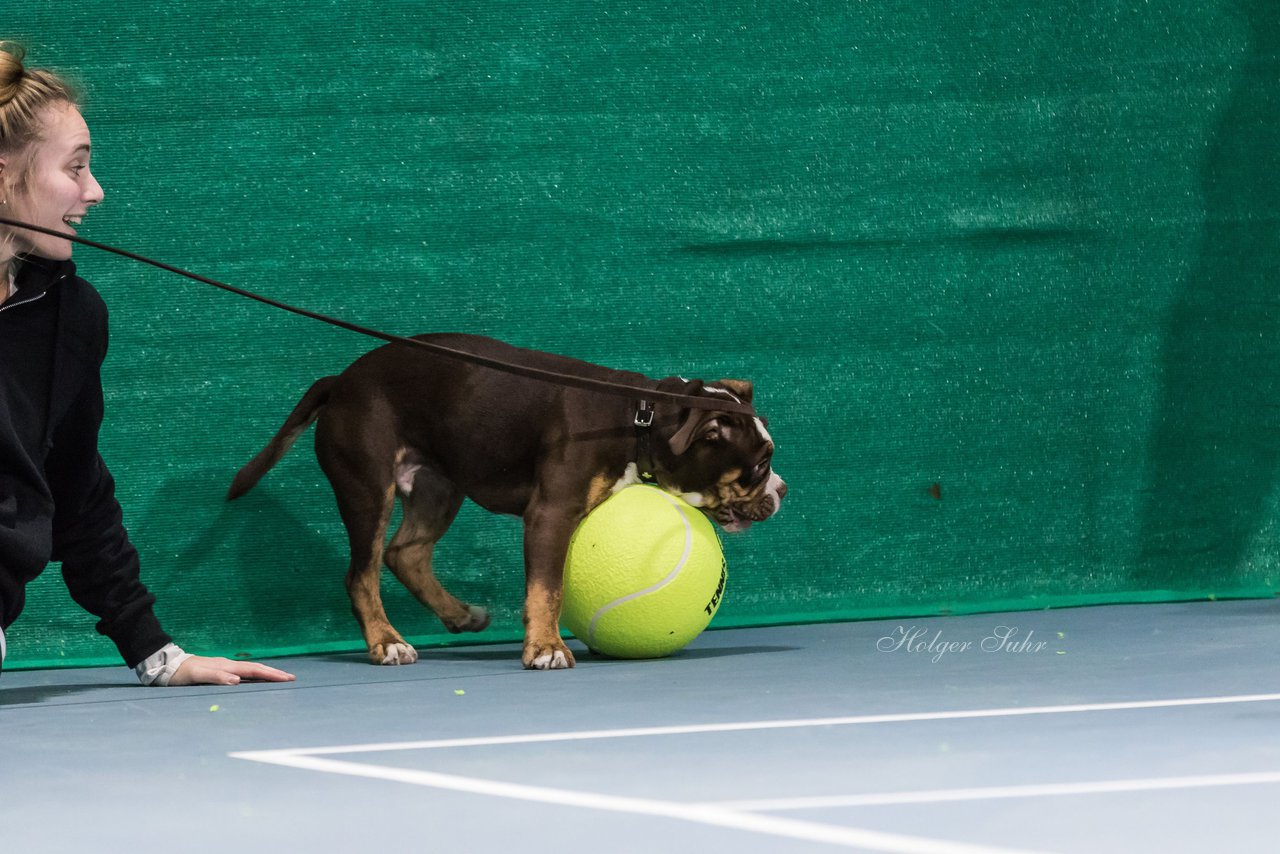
(644, 415)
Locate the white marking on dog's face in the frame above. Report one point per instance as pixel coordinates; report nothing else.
(775, 489)
(764, 433)
(723, 391)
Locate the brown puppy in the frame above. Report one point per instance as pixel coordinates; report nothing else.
(434, 430)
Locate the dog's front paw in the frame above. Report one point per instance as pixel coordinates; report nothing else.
(393, 653)
(551, 656)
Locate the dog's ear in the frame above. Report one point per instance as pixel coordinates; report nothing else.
(741, 388)
(698, 424)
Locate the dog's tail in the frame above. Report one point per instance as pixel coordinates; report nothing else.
(306, 412)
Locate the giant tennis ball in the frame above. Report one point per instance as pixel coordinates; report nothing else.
(644, 575)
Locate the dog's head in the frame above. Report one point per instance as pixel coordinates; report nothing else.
(721, 462)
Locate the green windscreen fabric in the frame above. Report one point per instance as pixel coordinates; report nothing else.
(1004, 274)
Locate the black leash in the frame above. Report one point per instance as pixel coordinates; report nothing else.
(572, 380)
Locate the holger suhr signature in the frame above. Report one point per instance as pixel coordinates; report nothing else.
(1007, 639)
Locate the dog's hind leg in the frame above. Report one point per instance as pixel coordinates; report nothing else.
(430, 504)
(365, 489)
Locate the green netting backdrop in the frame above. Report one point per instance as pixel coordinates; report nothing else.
(1025, 251)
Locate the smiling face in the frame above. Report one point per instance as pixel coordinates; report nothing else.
(50, 184)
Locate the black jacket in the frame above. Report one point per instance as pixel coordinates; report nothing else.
(57, 499)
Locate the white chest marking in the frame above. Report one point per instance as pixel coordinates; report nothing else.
(630, 477)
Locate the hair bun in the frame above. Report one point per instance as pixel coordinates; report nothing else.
(11, 70)
(24, 93)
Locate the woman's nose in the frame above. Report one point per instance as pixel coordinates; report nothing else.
(93, 191)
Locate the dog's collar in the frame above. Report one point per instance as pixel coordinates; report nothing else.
(644, 442)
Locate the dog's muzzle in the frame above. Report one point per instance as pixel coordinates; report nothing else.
(738, 517)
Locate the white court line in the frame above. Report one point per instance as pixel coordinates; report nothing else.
(535, 738)
(850, 837)
(938, 796)
(710, 814)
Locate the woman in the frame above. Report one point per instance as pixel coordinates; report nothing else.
(57, 499)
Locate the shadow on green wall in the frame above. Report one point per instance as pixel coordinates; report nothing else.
(1216, 439)
(289, 590)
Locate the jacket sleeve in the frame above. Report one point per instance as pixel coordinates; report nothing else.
(99, 563)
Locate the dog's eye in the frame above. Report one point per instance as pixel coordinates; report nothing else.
(757, 473)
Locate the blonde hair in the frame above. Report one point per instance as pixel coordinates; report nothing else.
(24, 94)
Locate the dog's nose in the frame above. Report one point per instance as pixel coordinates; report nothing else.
(782, 490)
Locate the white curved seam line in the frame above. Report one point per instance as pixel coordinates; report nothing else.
(671, 576)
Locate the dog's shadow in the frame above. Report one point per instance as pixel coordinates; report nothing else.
(254, 573)
(506, 652)
(585, 655)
